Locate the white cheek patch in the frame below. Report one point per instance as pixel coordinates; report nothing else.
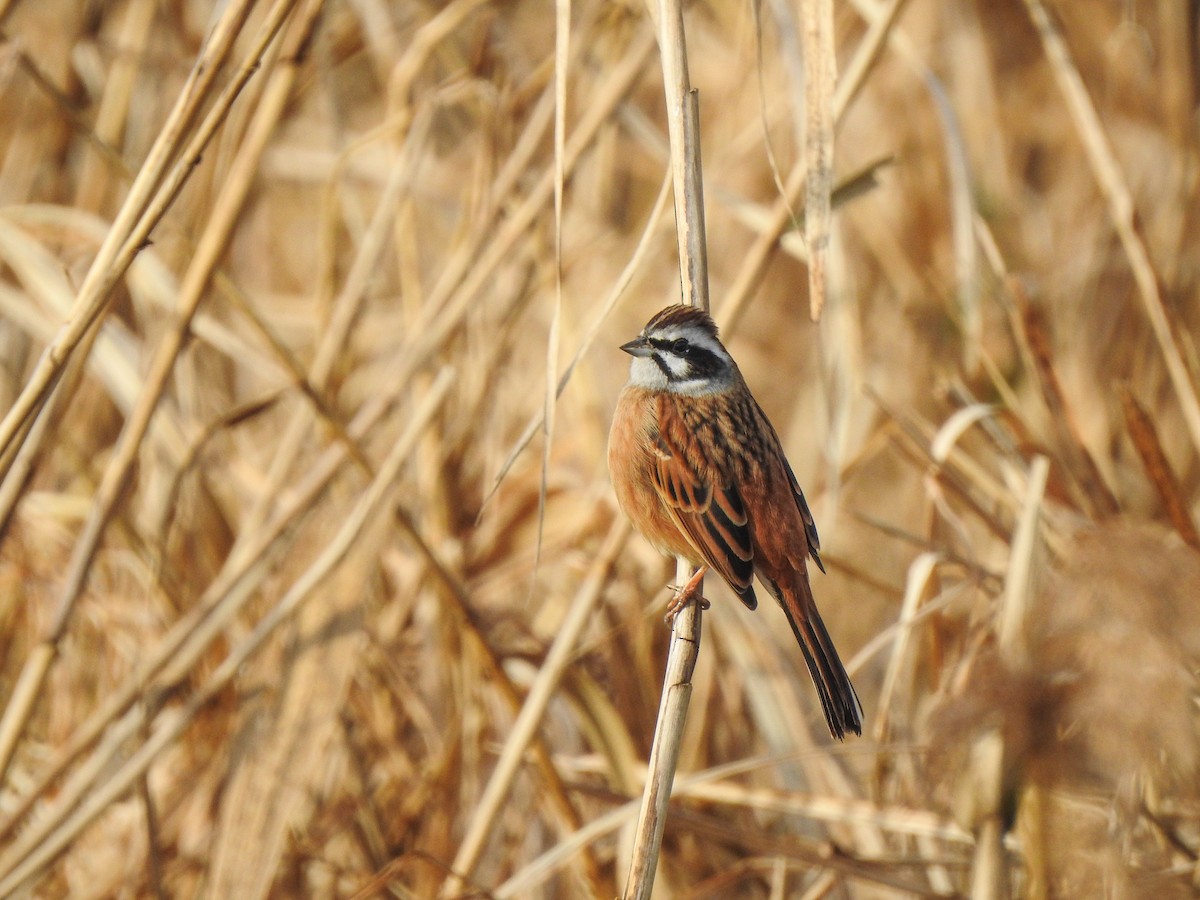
(645, 373)
(680, 368)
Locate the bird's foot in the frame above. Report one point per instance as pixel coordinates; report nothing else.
(686, 594)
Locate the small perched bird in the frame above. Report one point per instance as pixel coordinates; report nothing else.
(699, 470)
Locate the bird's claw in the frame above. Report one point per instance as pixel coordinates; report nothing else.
(686, 594)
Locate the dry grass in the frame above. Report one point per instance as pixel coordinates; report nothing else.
(269, 334)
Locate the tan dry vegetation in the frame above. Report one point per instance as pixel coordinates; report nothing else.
(261, 635)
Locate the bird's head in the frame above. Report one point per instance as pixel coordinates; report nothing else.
(679, 351)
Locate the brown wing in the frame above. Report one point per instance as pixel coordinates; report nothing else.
(710, 514)
(810, 525)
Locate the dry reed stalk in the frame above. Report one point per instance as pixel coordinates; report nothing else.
(166, 665)
(534, 707)
(114, 109)
(919, 576)
(985, 792)
(39, 845)
(93, 182)
(346, 307)
(1158, 468)
(460, 285)
(820, 75)
(562, 53)
(1081, 467)
(754, 267)
(710, 788)
(635, 263)
(139, 215)
(683, 127)
(1121, 210)
(89, 307)
(961, 473)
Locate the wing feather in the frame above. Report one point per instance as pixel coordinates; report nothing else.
(810, 525)
(711, 515)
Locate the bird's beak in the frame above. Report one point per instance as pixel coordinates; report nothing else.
(638, 347)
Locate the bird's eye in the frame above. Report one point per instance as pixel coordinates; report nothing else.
(680, 346)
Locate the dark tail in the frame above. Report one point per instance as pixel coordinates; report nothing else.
(843, 712)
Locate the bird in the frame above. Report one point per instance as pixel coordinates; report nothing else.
(699, 470)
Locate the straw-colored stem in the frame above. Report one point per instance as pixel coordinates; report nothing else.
(130, 229)
(39, 846)
(1121, 211)
(534, 709)
(684, 130)
(15, 716)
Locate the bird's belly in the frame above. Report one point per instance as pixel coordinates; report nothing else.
(631, 466)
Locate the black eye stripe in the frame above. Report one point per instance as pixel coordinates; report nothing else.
(701, 361)
(681, 347)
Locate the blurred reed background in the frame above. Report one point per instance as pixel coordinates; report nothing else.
(265, 629)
